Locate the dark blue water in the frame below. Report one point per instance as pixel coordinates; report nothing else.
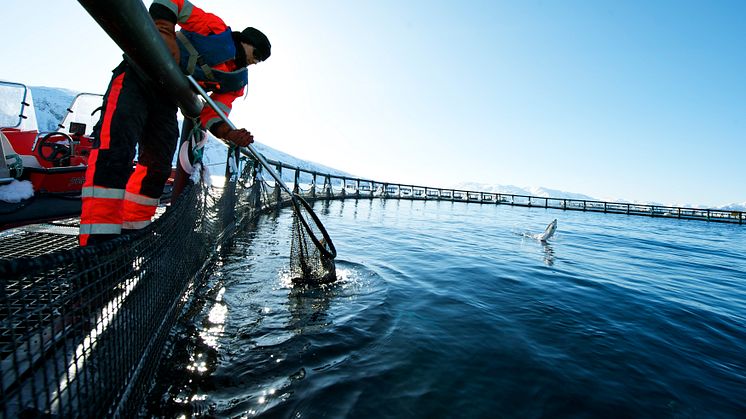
(447, 310)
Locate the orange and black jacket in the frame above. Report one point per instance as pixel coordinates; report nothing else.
(208, 52)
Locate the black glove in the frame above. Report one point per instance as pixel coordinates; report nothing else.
(239, 137)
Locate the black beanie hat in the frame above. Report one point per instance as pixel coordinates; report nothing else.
(254, 37)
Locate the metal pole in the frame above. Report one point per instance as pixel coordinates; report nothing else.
(248, 150)
(129, 24)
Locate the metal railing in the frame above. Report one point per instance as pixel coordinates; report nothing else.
(82, 329)
(340, 187)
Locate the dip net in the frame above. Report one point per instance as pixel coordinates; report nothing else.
(312, 252)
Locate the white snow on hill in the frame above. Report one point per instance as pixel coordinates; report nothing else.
(215, 156)
(734, 207)
(554, 193)
(515, 190)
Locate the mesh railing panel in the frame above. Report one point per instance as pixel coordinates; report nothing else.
(81, 330)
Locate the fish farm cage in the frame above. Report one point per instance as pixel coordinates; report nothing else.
(82, 329)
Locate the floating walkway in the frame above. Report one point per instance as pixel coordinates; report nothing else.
(336, 187)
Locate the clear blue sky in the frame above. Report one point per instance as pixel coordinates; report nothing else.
(637, 100)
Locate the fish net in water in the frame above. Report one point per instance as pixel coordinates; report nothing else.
(312, 252)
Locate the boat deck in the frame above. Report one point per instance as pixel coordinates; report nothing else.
(39, 239)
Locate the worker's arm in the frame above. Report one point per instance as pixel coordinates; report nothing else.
(168, 13)
(218, 127)
(189, 16)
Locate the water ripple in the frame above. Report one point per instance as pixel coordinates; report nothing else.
(448, 310)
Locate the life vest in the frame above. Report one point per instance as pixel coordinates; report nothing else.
(199, 53)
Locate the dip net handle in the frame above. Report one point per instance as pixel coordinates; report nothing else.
(248, 150)
(324, 243)
(300, 206)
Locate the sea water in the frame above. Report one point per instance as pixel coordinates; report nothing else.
(449, 310)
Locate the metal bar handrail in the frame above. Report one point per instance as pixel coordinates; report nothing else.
(450, 194)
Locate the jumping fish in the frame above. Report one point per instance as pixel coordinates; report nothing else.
(547, 234)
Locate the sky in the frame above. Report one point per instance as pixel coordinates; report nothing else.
(632, 100)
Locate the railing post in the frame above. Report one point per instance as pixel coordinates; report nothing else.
(296, 180)
(313, 186)
(277, 186)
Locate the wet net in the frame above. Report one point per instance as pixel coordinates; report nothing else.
(312, 252)
(82, 329)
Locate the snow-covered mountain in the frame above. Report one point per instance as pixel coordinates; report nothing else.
(734, 207)
(51, 104)
(554, 193)
(515, 190)
(215, 155)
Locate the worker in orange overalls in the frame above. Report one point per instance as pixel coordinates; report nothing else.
(116, 199)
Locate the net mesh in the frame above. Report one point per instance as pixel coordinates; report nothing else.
(82, 329)
(311, 252)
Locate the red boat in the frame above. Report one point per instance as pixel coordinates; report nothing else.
(53, 164)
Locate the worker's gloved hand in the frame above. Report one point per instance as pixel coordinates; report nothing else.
(168, 33)
(239, 137)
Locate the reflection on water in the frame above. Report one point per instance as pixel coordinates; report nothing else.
(548, 253)
(194, 356)
(447, 310)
